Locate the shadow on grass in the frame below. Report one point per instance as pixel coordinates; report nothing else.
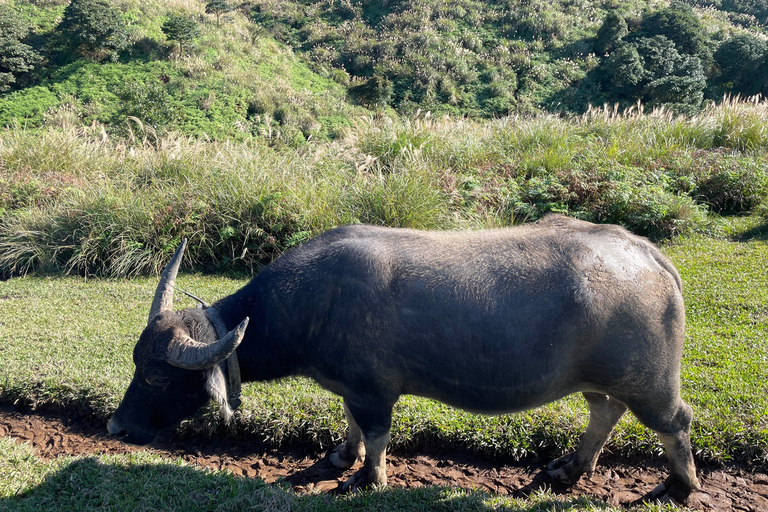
(133, 484)
(758, 233)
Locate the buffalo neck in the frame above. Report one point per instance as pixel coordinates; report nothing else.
(267, 351)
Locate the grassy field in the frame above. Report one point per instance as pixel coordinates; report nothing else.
(84, 219)
(111, 482)
(724, 379)
(75, 201)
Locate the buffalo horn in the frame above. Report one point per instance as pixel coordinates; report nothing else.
(184, 352)
(163, 300)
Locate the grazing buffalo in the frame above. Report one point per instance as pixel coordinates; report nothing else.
(491, 321)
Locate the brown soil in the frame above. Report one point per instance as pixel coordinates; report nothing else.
(618, 481)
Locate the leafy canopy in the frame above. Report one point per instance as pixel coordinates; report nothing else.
(217, 8)
(94, 28)
(740, 61)
(180, 28)
(16, 58)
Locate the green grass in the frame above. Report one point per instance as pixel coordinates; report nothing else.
(73, 201)
(233, 83)
(78, 201)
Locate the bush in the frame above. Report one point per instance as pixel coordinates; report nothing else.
(679, 24)
(733, 191)
(151, 104)
(26, 106)
(614, 27)
(624, 71)
(653, 71)
(16, 58)
(180, 28)
(374, 92)
(738, 59)
(94, 28)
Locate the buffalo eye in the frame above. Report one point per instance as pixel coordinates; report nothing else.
(158, 381)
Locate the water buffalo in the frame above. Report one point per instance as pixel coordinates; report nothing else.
(492, 321)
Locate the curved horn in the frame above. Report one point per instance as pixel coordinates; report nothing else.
(192, 355)
(163, 300)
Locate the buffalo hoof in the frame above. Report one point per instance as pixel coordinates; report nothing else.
(565, 470)
(671, 491)
(341, 457)
(362, 480)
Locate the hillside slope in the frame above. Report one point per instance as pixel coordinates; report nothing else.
(231, 81)
(291, 70)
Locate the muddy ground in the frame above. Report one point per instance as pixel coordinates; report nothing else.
(55, 432)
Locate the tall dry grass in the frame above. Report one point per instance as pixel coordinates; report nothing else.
(76, 200)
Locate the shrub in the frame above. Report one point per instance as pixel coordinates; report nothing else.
(180, 28)
(738, 59)
(733, 189)
(16, 58)
(26, 106)
(624, 71)
(151, 104)
(94, 28)
(611, 31)
(652, 70)
(374, 92)
(679, 24)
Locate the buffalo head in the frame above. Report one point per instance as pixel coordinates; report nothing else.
(179, 366)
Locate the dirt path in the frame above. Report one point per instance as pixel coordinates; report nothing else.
(617, 481)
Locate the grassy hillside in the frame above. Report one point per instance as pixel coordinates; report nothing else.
(290, 70)
(231, 81)
(492, 58)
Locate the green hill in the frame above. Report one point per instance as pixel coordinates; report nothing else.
(231, 81)
(290, 70)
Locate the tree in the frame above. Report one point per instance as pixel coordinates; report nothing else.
(217, 8)
(16, 58)
(624, 71)
(658, 56)
(682, 92)
(679, 24)
(614, 27)
(94, 28)
(738, 60)
(652, 70)
(180, 28)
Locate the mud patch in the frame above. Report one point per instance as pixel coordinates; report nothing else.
(618, 481)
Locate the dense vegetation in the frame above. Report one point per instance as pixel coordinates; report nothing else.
(250, 127)
(73, 344)
(215, 69)
(76, 200)
(142, 68)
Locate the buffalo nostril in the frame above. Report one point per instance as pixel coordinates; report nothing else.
(114, 429)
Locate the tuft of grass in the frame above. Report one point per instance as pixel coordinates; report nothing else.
(79, 201)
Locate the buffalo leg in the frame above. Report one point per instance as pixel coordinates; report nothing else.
(604, 413)
(374, 423)
(673, 426)
(353, 449)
